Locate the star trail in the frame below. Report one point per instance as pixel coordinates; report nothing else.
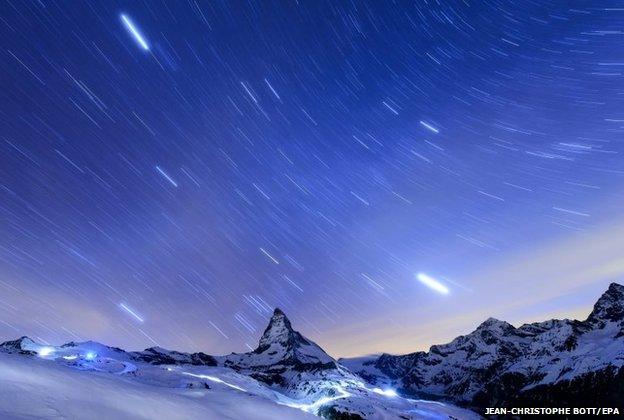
(132, 29)
(171, 171)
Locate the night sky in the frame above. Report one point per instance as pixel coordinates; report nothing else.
(171, 171)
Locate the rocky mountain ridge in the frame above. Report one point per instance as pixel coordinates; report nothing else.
(561, 362)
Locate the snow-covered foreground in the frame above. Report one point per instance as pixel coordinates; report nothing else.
(557, 362)
(92, 381)
(31, 387)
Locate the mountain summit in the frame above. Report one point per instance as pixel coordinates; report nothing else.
(279, 331)
(281, 345)
(610, 306)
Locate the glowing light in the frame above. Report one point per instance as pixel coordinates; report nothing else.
(387, 392)
(132, 29)
(214, 379)
(45, 351)
(313, 407)
(90, 355)
(72, 357)
(432, 283)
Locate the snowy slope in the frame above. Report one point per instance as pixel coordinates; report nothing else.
(498, 363)
(286, 377)
(38, 388)
(297, 367)
(560, 362)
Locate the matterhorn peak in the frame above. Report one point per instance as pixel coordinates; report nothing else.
(610, 306)
(281, 345)
(278, 311)
(279, 330)
(279, 317)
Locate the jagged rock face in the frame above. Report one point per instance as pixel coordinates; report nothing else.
(497, 364)
(461, 366)
(159, 356)
(94, 345)
(279, 331)
(603, 388)
(22, 345)
(609, 308)
(283, 343)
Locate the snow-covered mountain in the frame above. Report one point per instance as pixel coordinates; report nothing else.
(287, 377)
(301, 370)
(556, 362)
(281, 348)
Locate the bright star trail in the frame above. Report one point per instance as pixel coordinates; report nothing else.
(312, 156)
(429, 127)
(132, 29)
(166, 176)
(131, 312)
(432, 283)
(269, 256)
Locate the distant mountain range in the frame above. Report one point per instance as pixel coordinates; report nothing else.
(559, 363)
(553, 363)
